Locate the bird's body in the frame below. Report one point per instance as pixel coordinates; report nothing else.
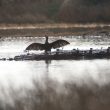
(47, 46)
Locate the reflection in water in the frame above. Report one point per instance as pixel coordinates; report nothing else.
(20, 73)
(89, 80)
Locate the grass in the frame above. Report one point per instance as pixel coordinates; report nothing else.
(52, 95)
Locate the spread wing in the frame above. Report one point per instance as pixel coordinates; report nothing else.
(35, 46)
(59, 43)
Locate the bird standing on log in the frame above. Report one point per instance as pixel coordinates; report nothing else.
(47, 46)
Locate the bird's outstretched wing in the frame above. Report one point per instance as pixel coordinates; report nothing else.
(59, 43)
(35, 46)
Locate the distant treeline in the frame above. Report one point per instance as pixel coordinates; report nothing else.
(85, 11)
(52, 11)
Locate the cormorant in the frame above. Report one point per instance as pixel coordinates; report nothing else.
(47, 46)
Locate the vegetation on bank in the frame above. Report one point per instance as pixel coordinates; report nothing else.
(52, 11)
(52, 95)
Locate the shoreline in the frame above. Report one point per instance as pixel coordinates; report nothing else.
(52, 25)
(30, 30)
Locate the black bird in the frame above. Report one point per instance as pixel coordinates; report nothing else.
(47, 46)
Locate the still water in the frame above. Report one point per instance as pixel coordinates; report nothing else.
(21, 73)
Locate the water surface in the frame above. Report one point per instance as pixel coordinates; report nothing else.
(21, 73)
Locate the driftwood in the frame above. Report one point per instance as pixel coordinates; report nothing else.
(74, 54)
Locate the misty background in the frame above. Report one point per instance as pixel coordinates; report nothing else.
(54, 11)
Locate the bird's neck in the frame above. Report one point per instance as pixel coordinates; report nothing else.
(46, 41)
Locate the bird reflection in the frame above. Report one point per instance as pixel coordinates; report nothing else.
(47, 63)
